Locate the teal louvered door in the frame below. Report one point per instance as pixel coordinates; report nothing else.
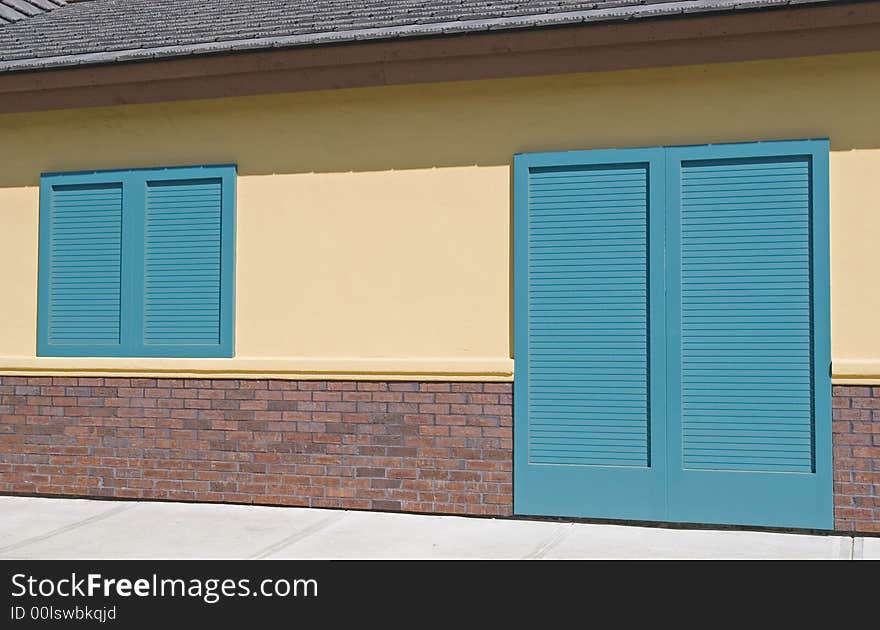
(748, 352)
(671, 335)
(587, 227)
(182, 262)
(82, 275)
(137, 263)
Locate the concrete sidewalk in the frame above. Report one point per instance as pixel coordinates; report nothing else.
(77, 528)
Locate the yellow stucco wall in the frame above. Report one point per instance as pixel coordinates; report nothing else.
(373, 225)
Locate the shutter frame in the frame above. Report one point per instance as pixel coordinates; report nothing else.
(133, 183)
(225, 175)
(49, 185)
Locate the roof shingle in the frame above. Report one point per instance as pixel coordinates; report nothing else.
(108, 31)
(15, 10)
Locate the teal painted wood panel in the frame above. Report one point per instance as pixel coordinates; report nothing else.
(745, 306)
(748, 373)
(588, 322)
(182, 262)
(588, 270)
(83, 278)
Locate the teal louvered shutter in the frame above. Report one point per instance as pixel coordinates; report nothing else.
(182, 262)
(587, 437)
(81, 270)
(671, 318)
(748, 311)
(745, 315)
(137, 263)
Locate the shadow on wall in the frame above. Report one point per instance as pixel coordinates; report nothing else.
(459, 124)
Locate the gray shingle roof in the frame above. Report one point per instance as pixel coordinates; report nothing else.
(108, 31)
(15, 10)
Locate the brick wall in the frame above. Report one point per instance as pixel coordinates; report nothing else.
(856, 442)
(422, 447)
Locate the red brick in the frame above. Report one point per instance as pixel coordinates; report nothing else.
(434, 387)
(860, 439)
(851, 414)
(367, 386)
(844, 391)
(387, 397)
(341, 386)
(355, 396)
(498, 388)
(311, 385)
(866, 452)
(433, 408)
(397, 386)
(451, 420)
(466, 387)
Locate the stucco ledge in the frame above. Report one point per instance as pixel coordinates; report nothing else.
(300, 368)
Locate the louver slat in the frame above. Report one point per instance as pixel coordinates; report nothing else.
(587, 309)
(182, 262)
(84, 270)
(745, 315)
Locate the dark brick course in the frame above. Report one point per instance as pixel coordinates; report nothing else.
(420, 447)
(856, 440)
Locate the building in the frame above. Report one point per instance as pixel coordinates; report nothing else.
(610, 260)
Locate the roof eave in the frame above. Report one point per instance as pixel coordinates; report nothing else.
(710, 38)
(665, 10)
